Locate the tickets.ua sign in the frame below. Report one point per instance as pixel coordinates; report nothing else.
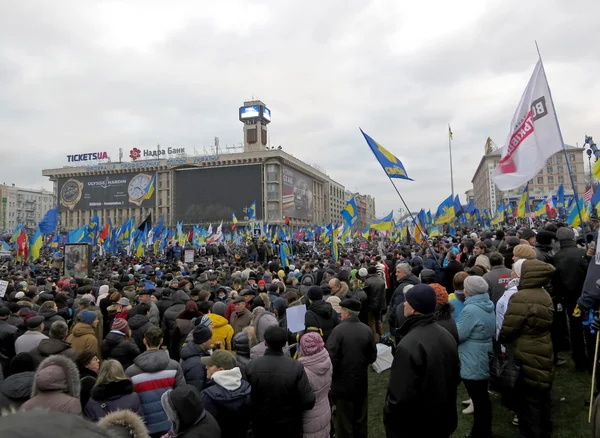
(90, 156)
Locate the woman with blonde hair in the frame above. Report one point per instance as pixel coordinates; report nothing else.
(113, 391)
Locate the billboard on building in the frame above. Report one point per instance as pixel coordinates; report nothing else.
(210, 195)
(121, 190)
(297, 194)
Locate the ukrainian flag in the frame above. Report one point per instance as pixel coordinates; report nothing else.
(384, 224)
(573, 218)
(150, 187)
(445, 212)
(35, 245)
(350, 213)
(365, 233)
(523, 209)
(4, 246)
(499, 215)
(334, 244)
(252, 211)
(540, 209)
(392, 166)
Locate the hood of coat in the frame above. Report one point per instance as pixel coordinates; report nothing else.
(318, 363)
(344, 289)
(113, 339)
(18, 386)
(535, 274)
(180, 297)
(112, 390)
(218, 320)
(307, 280)
(263, 321)
(482, 301)
(241, 343)
(128, 421)
(57, 373)
(48, 347)
(82, 329)
(228, 379)
(153, 361)
(46, 313)
(322, 308)
(183, 405)
(137, 321)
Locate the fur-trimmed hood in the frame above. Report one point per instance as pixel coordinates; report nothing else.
(124, 423)
(57, 373)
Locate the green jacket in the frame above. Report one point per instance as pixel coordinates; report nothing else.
(527, 324)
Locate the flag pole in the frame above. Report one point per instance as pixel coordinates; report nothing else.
(450, 150)
(562, 142)
(414, 220)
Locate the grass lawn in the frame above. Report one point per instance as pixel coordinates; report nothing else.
(569, 414)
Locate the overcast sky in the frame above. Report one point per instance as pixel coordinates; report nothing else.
(85, 76)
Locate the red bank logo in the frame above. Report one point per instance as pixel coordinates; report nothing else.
(135, 153)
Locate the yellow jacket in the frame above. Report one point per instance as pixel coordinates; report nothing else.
(222, 331)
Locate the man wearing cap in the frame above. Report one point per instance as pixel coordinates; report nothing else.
(241, 317)
(145, 296)
(424, 374)
(281, 391)
(229, 399)
(33, 336)
(193, 368)
(83, 337)
(351, 347)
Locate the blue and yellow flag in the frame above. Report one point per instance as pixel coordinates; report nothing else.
(350, 213)
(252, 211)
(35, 244)
(392, 166)
(150, 187)
(574, 218)
(445, 212)
(334, 244)
(383, 224)
(540, 209)
(523, 209)
(560, 197)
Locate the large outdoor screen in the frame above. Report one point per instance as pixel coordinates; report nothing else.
(214, 194)
(297, 194)
(122, 190)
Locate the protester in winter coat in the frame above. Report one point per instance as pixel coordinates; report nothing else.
(187, 415)
(320, 314)
(526, 331)
(139, 324)
(180, 298)
(375, 290)
(476, 328)
(432, 261)
(281, 391)
(153, 373)
(229, 399)
(318, 367)
(165, 302)
(498, 277)
(424, 374)
(511, 289)
(261, 322)
(457, 299)
(83, 337)
(352, 349)
(118, 344)
(55, 386)
(242, 317)
(192, 353)
(184, 324)
(32, 337)
(113, 391)
(55, 345)
(15, 389)
(450, 270)
(222, 332)
(49, 424)
(49, 311)
(241, 348)
(443, 310)
(124, 424)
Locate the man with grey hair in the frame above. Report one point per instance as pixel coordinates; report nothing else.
(351, 347)
(405, 277)
(56, 343)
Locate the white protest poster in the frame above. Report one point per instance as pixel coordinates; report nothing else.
(3, 286)
(295, 318)
(188, 256)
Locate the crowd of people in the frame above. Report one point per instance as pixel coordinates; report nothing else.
(156, 347)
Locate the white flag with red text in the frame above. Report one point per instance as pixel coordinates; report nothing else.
(533, 138)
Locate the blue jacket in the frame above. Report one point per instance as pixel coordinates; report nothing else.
(476, 327)
(193, 369)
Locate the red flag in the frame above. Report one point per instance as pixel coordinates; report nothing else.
(22, 245)
(287, 220)
(191, 236)
(104, 234)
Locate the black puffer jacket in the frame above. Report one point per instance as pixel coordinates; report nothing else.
(139, 325)
(352, 349)
(170, 315)
(571, 267)
(320, 314)
(50, 316)
(443, 316)
(116, 347)
(398, 298)
(281, 392)
(192, 420)
(193, 369)
(241, 348)
(16, 390)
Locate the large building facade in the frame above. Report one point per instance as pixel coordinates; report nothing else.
(23, 206)
(486, 194)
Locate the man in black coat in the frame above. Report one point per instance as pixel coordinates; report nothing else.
(352, 349)
(571, 268)
(8, 336)
(281, 391)
(193, 369)
(320, 314)
(404, 277)
(375, 290)
(511, 242)
(452, 268)
(424, 375)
